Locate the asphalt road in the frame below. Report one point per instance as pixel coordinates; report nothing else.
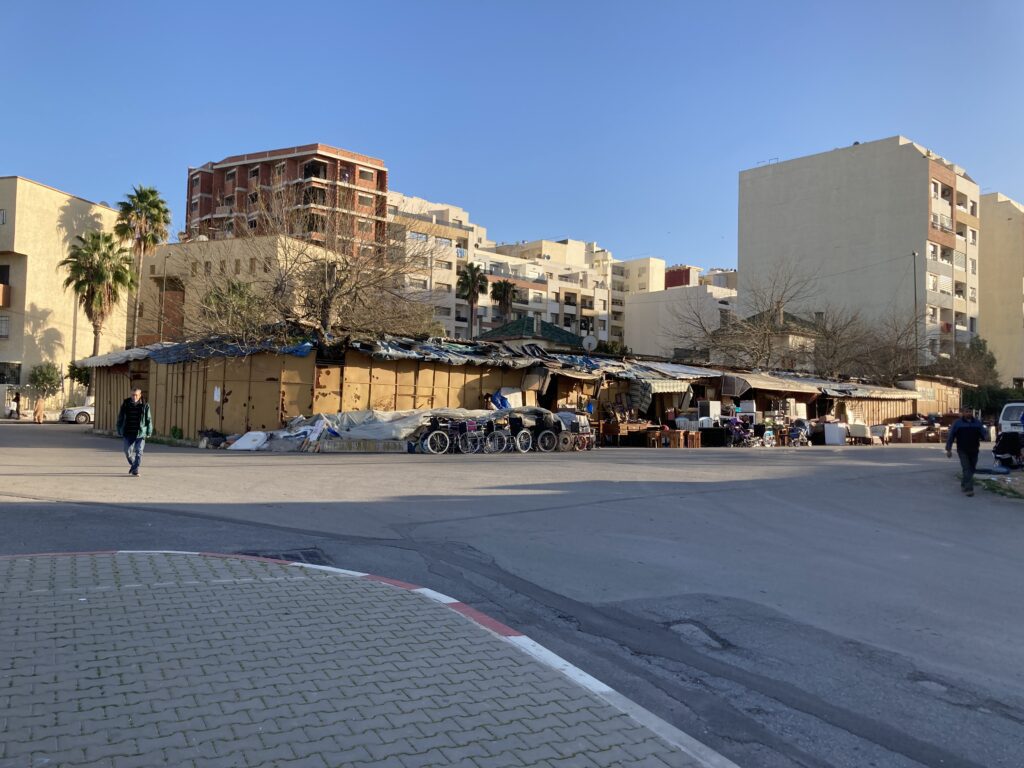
(788, 607)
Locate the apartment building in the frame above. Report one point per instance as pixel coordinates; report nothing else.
(886, 227)
(1001, 285)
(682, 275)
(672, 322)
(721, 278)
(336, 192)
(41, 321)
(573, 284)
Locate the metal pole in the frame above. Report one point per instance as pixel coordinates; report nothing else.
(917, 320)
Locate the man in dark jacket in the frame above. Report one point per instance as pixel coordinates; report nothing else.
(968, 433)
(134, 424)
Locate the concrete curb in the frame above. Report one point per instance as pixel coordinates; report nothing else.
(682, 741)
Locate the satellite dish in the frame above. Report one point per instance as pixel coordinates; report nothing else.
(589, 343)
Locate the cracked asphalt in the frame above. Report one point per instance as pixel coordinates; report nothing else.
(788, 607)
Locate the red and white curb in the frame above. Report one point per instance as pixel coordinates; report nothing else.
(700, 752)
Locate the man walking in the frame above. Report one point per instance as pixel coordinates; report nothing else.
(134, 424)
(968, 433)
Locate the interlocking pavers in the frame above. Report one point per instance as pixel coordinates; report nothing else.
(129, 659)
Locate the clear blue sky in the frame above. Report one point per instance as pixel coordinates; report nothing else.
(623, 123)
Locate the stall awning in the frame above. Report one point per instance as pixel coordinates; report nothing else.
(660, 386)
(741, 382)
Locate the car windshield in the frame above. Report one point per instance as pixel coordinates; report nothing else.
(1012, 413)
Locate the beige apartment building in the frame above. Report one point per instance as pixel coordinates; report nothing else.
(669, 323)
(573, 284)
(41, 321)
(883, 227)
(1001, 287)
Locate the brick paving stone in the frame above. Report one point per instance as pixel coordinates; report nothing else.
(131, 660)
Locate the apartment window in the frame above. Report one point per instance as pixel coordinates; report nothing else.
(643, 286)
(229, 177)
(229, 227)
(279, 171)
(392, 209)
(207, 268)
(972, 324)
(365, 225)
(3, 216)
(418, 283)
(973, 236)
(194, 268)
(604, 305)
(254, 173)
(972, 293)
(238, 266)
(641, 271)
(223, 267)
(366, 251)
(195, 206)
(443, 287)
(932, 281)
(229, 200)
(974, 207)
(253, 223)
(417, 236)
(932, 314)
(195, 182)
(152, 269)
(142, 310)
(254, 198)
(366, 199)
(443, 311)
(935, 190)
(443, 241)
(933, 251)
(252, 266)
(365, 175)
(5, 327)
(974, 266)
(567, 321)
(266, 266)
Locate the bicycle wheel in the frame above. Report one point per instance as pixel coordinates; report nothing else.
(565, 441)
(524, 441)
(437, 441)
(496, 442)
(547, 441)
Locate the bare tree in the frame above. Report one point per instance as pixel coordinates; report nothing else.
(892, 348)
(302, 257)
(762, 332)
(842, 341)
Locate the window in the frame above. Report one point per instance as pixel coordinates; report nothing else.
(254, 198)
(366, 199)
(207, 269)
(142, 310)
(195, 182)
(972, 324)
(238, 266)
(229, 200)
(935, 190)
(932, 281)
(365, 225)
(932, 314)
(5, 327)
(194, 268)
(223, 267)
(5, 274)
(252, 223)
(195, 206)
(443, 287)
(643, 286)
(974, 266)
(420, 283)
(442, 265)
(443, 311)
(266, 266)
(417, 236)
(443, 241)
(252, 266)
(365, 175)
(602, 325)
(254, 173)
(972, 293)
(152, 269)
(3, 216)
(973, 236)
(933, 251)
(229, 177)
(641, 271)
(974, 207)
(366, 251)
(604, 304)
(279, 171)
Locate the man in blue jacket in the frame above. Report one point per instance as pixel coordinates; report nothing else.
(968, 434)
(134, 424)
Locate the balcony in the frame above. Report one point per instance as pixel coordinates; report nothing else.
(224, 210)
(942, 222)
(960, 260)
(5, 296)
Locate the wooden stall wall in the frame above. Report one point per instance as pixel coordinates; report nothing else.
(400, 385)
(878, 411)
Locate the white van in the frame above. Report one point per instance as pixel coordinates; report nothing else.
(1009, 419)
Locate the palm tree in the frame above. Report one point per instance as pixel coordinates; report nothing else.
(98, 271)
(472, 282)
(504, 292)
(142, 220)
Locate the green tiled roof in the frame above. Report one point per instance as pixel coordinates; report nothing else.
(523, 329)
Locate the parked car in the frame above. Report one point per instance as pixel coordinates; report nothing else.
(82, 414)
(1009, 419)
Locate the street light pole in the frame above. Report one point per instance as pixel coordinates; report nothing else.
(917, 320)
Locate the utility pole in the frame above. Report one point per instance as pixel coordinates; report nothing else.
(917, 320)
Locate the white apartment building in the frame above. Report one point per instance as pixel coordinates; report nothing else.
(574, 284)
(1001, 287)
(884, 227)
(668, 323)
